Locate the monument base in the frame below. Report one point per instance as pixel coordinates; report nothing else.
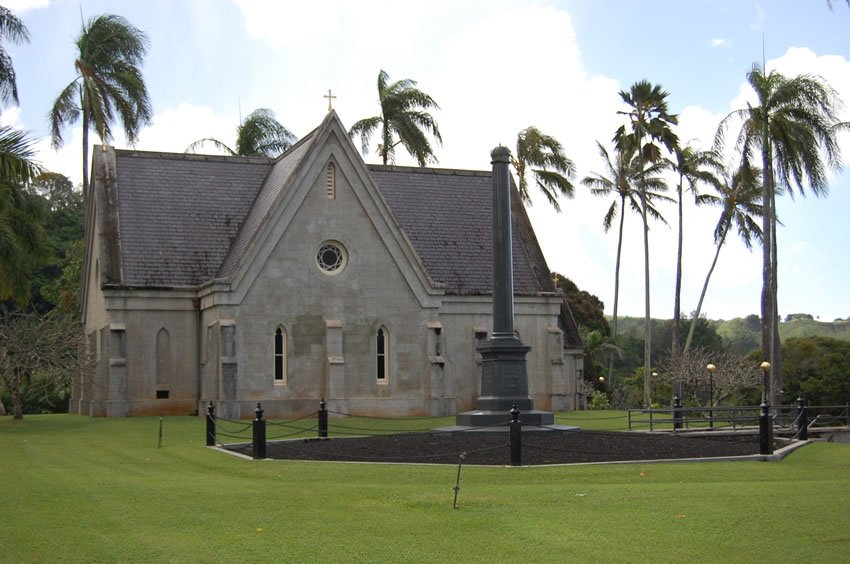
(483, 418)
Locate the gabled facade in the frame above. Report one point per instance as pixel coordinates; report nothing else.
(284, 281)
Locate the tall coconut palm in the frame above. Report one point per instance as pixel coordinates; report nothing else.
(740, 197)
(794, 128)
(11, 29)
(22, 238)
(108, 86)
(553, 169)
(620, 179)
(693, 167)
(404, 119)
(649, 124)
(260, 134)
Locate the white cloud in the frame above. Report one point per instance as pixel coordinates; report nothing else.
(19, 6)
(10, 117)
(720, 42)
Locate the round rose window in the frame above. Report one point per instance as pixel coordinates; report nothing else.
(331, 257)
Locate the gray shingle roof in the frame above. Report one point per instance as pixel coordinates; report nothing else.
(448, 216)
(186, 219)
(179, 214)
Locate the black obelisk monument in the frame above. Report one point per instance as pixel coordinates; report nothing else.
(504, 378)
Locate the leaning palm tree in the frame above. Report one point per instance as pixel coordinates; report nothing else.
(693, 167)
(404, 119)
(544, 157)
(108, 86)
(22, 238)
(649, 123)
(260, 134)
(11, 29)
(740, 196)
(794, 128)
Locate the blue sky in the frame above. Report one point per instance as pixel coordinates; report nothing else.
(495, 67)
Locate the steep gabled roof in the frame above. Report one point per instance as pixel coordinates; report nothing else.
(184, 220)
(275, 183)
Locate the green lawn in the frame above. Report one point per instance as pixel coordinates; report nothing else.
(82, 489)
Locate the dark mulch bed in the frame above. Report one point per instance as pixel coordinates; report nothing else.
(492, 448)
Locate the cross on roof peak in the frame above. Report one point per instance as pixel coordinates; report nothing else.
(330, 98)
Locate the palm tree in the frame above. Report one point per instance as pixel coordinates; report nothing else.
(623, 176)
(693, 167)
(404, 115)
(740, 196)
(108, 85)
(536, 149)
(793, 127)
(14, 30)
(621, 180)
(22, 238)
(649, 122)
(260, 134)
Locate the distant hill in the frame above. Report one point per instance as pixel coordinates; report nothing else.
(743, 334)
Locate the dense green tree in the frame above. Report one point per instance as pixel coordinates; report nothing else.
(739, 196)
(259, 135)
(57, 282)
(404, 119)
(23, 244)
(649, 130)
(587, 309)
(816, 367)
(794, 128)
(693, 167)
(542, 156)
(108, 85)
(13, 30)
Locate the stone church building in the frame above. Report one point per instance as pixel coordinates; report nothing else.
(240, 280)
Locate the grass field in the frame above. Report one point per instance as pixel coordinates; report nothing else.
(83, 489)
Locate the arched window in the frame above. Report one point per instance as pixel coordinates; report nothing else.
(382, 356)
(330, 181)
(163, 363)
(280, 356)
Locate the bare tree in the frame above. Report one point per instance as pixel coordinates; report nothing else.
(39, 354)
(732, 373)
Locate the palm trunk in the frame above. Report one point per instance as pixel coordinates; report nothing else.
(616, 288)
(775, 345)
(677, 298)
(647, 327)
(767, 309)
(85, 153)
(702, 297)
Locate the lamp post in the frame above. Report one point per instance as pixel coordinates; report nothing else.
(655, 384)
(711, 368)
(765, 368)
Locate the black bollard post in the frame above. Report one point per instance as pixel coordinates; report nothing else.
(516, 437)
(677, 413)
(323, 419)
(259, 434)
(211, 424)
(765, 430)
(802, 419)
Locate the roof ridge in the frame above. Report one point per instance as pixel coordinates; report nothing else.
(429, 170)
(192, 156)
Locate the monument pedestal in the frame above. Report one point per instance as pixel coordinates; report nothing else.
(504, 383)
